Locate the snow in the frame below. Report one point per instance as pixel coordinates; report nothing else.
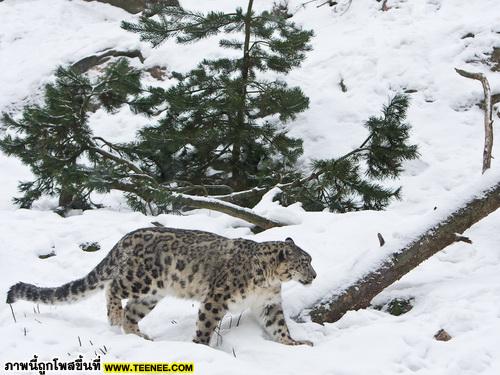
(414, 46)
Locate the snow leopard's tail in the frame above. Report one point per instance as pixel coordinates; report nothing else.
(67, 293)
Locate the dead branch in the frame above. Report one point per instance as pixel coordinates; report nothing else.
(194, 201)
(242, 195)
(488, 118)
(243, 213)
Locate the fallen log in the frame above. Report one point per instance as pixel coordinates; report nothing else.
(359, 295)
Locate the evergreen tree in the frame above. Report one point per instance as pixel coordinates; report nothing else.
(222, 123)
(54, 138)
(221, 129)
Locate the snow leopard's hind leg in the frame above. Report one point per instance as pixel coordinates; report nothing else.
(135, 311)
(114, 304)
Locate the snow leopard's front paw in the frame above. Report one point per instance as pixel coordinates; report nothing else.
(301, 342)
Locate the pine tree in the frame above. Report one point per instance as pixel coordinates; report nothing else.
(221, 129)
(54, 138)
(222, 123)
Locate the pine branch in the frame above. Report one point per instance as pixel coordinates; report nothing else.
(119, 160)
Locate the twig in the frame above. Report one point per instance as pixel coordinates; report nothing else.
(307, 2)
(381, 239)
(157, 224)
(217, 331)
(329, 2)
(342, 85)
(12, 311)
(460, 238)
(239, 318)
(341, 9)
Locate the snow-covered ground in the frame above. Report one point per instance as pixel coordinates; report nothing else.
(413, 46)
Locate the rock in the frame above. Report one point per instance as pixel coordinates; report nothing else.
(442, 335)
(136, 6)
(342, 85)
(468, 35)
(399, 306)
(90, 247)
(89, 62)
(45, 256)
(158, 72)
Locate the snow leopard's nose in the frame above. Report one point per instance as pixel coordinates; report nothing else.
(310, 276)
(312, 272)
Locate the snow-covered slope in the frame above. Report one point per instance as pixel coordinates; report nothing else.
(413, 46)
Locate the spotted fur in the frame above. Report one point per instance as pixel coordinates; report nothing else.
(223, 274)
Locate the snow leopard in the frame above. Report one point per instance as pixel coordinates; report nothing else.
(223, 274)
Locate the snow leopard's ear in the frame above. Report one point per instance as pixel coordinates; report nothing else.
(282, 255)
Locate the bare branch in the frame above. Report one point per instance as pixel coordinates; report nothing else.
(242, 195)
(488, 117)
(227, 208)
(194, 201)
(108, 155)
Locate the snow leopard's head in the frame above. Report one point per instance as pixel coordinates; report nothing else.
(294, 263)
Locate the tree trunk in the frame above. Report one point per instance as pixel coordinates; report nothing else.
(65, 198)
(360, 294)
(238, 174)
